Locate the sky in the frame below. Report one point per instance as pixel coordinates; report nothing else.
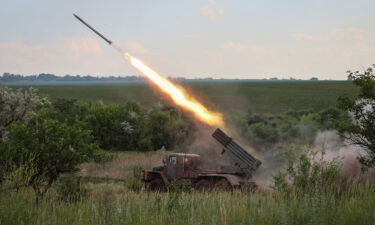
(247, 39)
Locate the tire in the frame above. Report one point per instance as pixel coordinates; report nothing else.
(156, 184)
(250, 187)
(203, 185)
(223, 185)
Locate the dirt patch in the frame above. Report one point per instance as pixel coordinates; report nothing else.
(121, 167)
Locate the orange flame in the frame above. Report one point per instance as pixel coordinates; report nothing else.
(177, 94)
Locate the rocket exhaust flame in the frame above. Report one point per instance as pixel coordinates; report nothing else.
(178, 94)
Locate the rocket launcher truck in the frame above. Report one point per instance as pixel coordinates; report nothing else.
(187, 168)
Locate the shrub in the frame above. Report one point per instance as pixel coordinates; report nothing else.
(125, 127)
(358, 125)
(264, 134)
(70, 189)
(307, 174)
(100, 156)
(165, 127)
(267, 131)
(17, 106)
(52, 146)
(135, 183)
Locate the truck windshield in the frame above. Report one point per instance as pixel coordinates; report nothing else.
(173, 160)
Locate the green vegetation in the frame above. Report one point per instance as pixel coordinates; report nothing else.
(126, 126)
(39, 151)
(229, 97)
(298, 127)
(359, 126)
(116, 203)
(53, 148)
(308, 174)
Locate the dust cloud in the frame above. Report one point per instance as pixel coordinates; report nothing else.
(331, 147)
(327, 144)
(207, 147)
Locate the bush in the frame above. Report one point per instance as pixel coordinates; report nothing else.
(358, 124)
(135, 183)
(264, 135)
(309, 174)
(125, 127)
(52, 146)
(70, 189)
(100, 156)
(267, 131)
(17, 106)
(165, 127)
(16, 177)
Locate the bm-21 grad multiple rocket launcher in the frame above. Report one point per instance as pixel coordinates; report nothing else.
(186, 168)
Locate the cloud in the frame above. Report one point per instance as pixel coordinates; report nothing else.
(64, 56)
(332, 53)
(19, 47)
(214, 11)
(192, 36)
(304, 37)
(82, 46)
(230, 45)
(342, 42)
(137, 48)
(73, 56)
(75, 47)
(325, 55)
(244, 48)
(349, 34)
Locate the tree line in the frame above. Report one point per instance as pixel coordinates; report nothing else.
(45, 77)
(50, 78)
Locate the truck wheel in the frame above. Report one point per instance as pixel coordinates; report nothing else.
(156, 184)
(223, 185)
(253, 187)
(203, 185)
(250, 187)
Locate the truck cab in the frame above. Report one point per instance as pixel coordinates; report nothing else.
(181, 165)
(176, 166)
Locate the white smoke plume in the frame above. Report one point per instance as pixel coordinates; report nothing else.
(331, 146)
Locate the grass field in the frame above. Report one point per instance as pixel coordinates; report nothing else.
(113, 202)
(235, 96)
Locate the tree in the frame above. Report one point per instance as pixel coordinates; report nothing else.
(17, 106)
(113, 126)
(52, 147)
(126, 126)
(164, 127)
(359, 125)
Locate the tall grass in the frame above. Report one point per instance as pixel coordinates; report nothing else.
(115, 204)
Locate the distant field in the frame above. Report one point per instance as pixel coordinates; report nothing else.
(261, 97)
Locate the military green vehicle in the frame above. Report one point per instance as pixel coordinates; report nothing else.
(187, 168)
